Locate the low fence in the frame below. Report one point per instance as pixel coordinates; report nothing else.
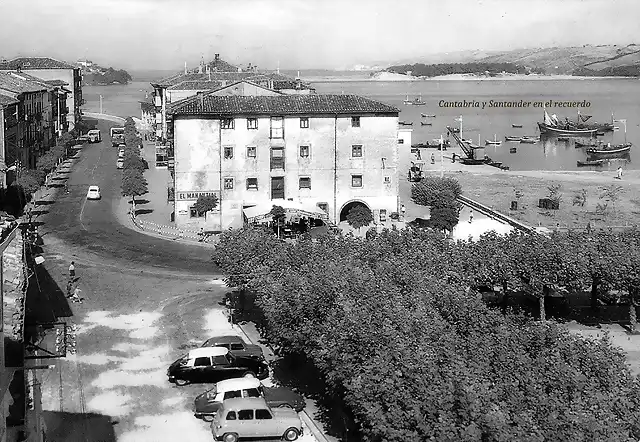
(113, 118)
(492, 213)
(172, 232)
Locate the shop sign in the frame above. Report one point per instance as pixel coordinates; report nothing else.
(194, 195)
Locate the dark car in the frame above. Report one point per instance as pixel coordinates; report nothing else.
(236, 345)
(213, 364)
(207, 404)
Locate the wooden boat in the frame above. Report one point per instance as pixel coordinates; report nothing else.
(529, 140)
(513, 150)
(557, 130)
(591, 163)
(405, 123)
(610, 150)
(427, 116)
(495, 142)
(516, 125)
(415, 102)
(579, 143)
(422, 123)
(600, 134)
(563, 138)
(507, 138)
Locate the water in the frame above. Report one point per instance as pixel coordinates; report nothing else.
(604, 95)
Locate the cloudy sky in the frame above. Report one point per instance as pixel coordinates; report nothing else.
(163, 34)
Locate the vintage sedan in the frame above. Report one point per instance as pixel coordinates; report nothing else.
(207, 404)
(252, 418)
(236, 345)
(214, 364)
(93, 193)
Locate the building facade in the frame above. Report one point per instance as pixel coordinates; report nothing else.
(327, 152)
(47, 69)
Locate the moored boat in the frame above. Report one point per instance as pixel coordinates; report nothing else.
(405, 123)
(556, 130)
(415, 102)
(427, 116)
(422, 123)
(563, 138)
(529, 140)
(610, 150)
(516, 125)
(591, 163)
(495, 142)
(507, 138)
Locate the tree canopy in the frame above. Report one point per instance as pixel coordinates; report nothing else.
(359, 216)
(206, 203)
(133, 183)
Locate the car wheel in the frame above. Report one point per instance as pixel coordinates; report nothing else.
(249, 374)
(207, 418)
(290, 434)
(230, 437)
(181, 382)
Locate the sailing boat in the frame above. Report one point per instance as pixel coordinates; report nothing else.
(495, 141)
(551, 126)
(415, 102)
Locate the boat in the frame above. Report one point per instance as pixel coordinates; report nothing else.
(472, 161)
(513, 150)
(529, 140)
(495, 142)
(436, 143)
(405, 123)
(591, 163)
(600, 134)
(427, 116)
(454, 130)
(552, 126)
(507, 138)
(516, 125)
(579, 143)
(610, 150)
(422, 123)
(563, 138)
(415, 102)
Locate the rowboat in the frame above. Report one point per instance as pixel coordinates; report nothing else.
(591, 163)
(405, 123)
(422, 123)
(529, 140)
(495, 142)
(611, 150)
(427, 116)
(589, 143)
(513, 150)
(563, 138)
(516, 125)
(512, 138)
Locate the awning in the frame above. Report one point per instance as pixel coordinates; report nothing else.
(261, 211)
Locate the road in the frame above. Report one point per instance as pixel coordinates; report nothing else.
(91, 231)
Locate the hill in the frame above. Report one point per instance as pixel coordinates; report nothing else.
(94, 75)
(589, 60)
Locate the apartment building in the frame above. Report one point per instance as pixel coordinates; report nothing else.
(322, 154)
(8, 111)
(46, 68)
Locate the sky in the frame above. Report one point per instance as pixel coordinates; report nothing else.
(301, 34)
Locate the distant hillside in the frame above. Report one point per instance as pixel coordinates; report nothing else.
(601, 60)
(93, 75)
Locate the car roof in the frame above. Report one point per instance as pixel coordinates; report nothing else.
(94, 188)
(244, 403)
(237, 384)
(226, 339)
(94, 130)
(204, 352)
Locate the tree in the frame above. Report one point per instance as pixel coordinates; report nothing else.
(445, 214)
(47, 162)
(431, 190)
(133, 161)
(611, 194)
(205, 203)
(133, 184)
(29, 181)
(278, 214)
(359, 216)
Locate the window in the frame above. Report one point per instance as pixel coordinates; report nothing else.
(383, 215)
(263, 414)
(277, 158)
(324, 207)
(227, 123)
(251, 151)
(231, 416)
(277, 127)
(356, 180)
(220, 360)
(251, 392)
(245, 415)
(228, 183)
(304, 151)
(237, 347)
(193, 213)
(252, 123)
(356, 150)
(304, 123)
(228, 152)
(387, 179)
(252, 183)
(400, 141)
(355, 121)
(232, 394)
(305, 183)
(202, 362)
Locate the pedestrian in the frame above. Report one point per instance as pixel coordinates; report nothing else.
(433, 159)
(471, 216)
(403, 210)
(619, 173)
(72, 271)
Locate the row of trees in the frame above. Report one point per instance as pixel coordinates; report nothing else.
(615, 71)
(133, 181)
(399, 336)
(433, 70)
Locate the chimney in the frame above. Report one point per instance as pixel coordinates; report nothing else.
(298, 76)
(185, 68)
(200, 66)
(208, 69)
(209, 72)
(278, 69)
(217, 57)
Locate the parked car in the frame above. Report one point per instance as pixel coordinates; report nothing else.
(213, 364)
(120, 163)
(121, 153)
(93, 193)
(94, 136)
(207, 404)
(236, 345)
(82, 139)
(252, 418)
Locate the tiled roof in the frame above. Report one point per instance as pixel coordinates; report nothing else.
(32, 79)
(178, 81)
(196, 85)
(221, 66)
(207, 104)
(35, 63)
(18, 86)
(6, 100)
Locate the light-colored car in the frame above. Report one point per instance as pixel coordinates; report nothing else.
(206, 404)
(121, 153)
(94, 136)
(120, 163)
(93, 193)
(252, 418)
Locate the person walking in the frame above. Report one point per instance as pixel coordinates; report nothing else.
(471, 216)
(403, 210)
(72, 272)
(619, 176)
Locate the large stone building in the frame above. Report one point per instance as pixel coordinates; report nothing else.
(47, 68)
(321, 154)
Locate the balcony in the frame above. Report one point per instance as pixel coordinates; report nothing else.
(277, 133)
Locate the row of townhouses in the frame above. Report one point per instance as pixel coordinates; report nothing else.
(255, 139)
(40, 99)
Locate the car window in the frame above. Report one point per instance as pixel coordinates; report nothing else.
(263, 414)
(231, 416)
(237, 347)
(251, 392)
(220, 360)
(230, 358)
(232, 394)
(202, 362)
(245, 415)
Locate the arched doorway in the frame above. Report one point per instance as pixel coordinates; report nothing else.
(347, 207)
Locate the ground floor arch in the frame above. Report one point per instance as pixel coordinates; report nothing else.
(350, 205)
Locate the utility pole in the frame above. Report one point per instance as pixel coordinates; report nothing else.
(441, 157)
(100, 103)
